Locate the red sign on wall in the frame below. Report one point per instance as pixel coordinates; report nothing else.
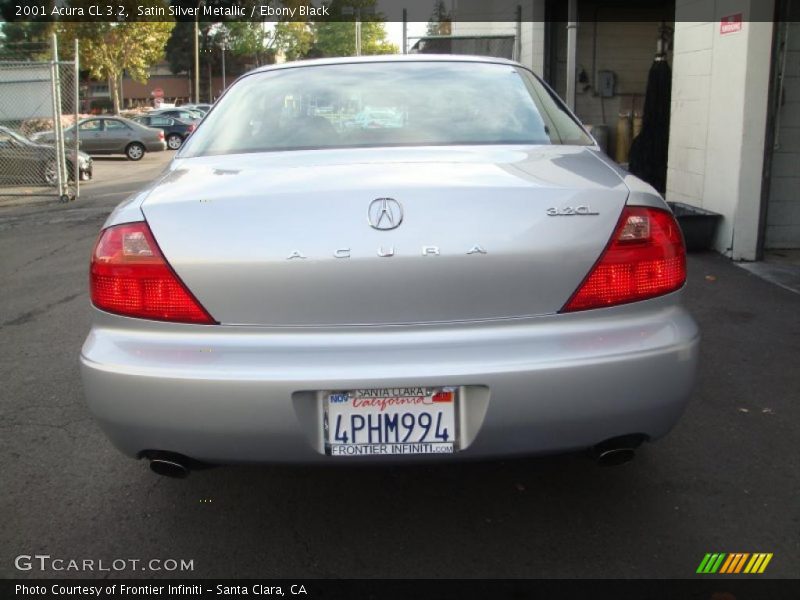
(730, 24)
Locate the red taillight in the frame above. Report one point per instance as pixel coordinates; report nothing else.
(191, 127)
(645, 258)
(161, 134)
(129, 276)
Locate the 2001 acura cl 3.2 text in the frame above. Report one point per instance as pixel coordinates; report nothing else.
(467, 275)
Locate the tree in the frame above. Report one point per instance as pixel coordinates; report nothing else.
(110, 48)
(440, 22)
(293, 38)
(337, 36)
(180, 47)
(26, 40)
(248, 41)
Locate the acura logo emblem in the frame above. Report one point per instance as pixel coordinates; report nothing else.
(385, 213)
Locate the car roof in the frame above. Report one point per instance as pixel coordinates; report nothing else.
(387, 58)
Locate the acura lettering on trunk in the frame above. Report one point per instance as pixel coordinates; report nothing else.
(386, 252)
(242, 310)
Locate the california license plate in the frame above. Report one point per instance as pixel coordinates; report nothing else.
(384, 421)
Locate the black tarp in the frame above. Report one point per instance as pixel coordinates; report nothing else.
(648, 154)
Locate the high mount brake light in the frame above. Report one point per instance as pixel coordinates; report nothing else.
(645, 258)
(129, 276)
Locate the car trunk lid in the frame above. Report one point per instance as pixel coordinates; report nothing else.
(285, 239)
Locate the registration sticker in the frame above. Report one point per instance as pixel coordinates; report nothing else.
(390, 421)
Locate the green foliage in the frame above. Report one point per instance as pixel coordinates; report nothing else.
(294, 39)
(337, 36)
(247, 40)
(179, 49)
(109, 48)
(440, 22)
(251, 42)
(25, 40)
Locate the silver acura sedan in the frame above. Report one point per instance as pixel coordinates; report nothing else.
(382, 259)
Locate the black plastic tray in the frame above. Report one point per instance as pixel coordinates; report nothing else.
(699, 226)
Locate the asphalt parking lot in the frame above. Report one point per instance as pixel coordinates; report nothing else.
(727, 479)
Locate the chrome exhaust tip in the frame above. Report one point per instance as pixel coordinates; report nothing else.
(615, 457)
(618, 450)
(169, 466)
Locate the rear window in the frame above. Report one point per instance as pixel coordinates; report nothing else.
(384, 104)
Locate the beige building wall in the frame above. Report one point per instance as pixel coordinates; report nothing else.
(719, 114)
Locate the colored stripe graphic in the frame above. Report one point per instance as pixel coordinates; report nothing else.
(734, 563)
(754, 563)
(718, 562)
(710, 563)
(738, 563)
(764, 564)
(727, 564)
(703, 563)
(741, 562)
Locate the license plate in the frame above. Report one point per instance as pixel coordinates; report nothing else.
(385, 421)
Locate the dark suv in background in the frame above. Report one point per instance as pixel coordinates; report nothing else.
(175, 130)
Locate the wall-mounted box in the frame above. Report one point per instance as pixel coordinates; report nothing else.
(606, 83)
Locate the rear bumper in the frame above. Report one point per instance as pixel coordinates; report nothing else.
(244, 394)
(156, 146)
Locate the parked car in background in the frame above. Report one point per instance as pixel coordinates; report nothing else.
(204, 108)
(475, 279)
(183, 114)
(112, 135)
(23, 162)
(175, 130)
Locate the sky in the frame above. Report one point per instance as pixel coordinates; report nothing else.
(394, 32)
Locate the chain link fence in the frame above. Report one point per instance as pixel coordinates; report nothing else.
(38, 141)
